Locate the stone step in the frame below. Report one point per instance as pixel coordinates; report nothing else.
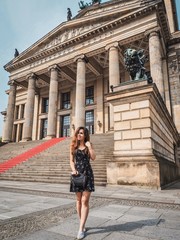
(53, 174)
(59, 181)
(52, 165)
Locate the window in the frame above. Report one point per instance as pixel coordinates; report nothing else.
(90, 121)
(17, 112)
(22, 110)
(66, 100)
(45, 105)
(65, 127)
(89, 95)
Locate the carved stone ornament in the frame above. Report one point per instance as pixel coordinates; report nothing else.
(32, 76)
(69, 34)
(12, 83)
(54, 67)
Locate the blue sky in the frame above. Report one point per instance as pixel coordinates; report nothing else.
(23, 22)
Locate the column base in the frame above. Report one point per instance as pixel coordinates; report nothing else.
(142, 173)
(49, 137)
(26, 140)
(6, 141)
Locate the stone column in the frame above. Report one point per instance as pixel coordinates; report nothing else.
(53, 98)
(10, 113)
(80, 91)
(114, 75)
(35, 118)
(156, 61)
(29, 108)
(170, 17)
(114, 71)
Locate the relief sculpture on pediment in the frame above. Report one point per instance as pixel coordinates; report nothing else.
(68, 34)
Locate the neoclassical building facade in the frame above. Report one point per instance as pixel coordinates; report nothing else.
(64, 80)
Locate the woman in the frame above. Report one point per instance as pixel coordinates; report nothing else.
(81, 152)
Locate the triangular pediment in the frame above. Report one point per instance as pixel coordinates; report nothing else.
(89, 20)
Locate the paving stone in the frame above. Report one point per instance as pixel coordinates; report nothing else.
(105, 212)
(138, 218)
(173, 215)
(125, 236)
(159, 233)
(120, 226)
(68, 228)
(45, 235)
(168, 223)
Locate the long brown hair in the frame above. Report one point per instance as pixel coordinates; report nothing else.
(75, 142)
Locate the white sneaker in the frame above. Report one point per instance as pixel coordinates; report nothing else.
(80, 235)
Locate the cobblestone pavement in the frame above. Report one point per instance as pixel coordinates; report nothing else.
(29, 212)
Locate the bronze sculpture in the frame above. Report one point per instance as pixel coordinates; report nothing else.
(134, 63)
(16, 53)
(69, 14)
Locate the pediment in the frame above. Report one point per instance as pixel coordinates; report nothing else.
(86, 22)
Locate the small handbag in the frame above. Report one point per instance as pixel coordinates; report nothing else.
(79, 180)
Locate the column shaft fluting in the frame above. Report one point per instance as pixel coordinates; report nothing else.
(156, 61)
(10, 114)
(29, 109)
(80, 93)
(53, 98)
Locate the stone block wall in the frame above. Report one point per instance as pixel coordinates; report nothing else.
(144, 138)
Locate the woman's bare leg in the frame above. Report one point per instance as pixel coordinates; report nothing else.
(84, 209)
(79, 203)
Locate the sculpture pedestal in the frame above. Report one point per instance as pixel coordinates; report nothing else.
(145, 137)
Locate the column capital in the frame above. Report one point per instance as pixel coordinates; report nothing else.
(12, 83)
(81, 58)
(112, 45)
(152, 32)
(32, 75)
(54, 67)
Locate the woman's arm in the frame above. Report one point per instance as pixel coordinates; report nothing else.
(72, 164)
(91, 150)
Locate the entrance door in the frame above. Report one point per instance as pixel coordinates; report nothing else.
(65, 126)
(90, 121)
(44, 128)
(20, 131)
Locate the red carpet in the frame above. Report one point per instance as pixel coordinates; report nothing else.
(30, 153)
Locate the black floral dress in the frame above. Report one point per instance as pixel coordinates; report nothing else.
(82, 163)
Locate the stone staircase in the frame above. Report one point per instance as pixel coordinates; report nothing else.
(52, 165)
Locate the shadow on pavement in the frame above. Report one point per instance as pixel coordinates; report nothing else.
(128, 226)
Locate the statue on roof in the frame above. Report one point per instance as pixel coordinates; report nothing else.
(69, 14)
(96, 1)
(16, 53)
(83, 5)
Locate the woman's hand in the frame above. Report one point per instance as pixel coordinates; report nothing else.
(88, 144)
(74, 172)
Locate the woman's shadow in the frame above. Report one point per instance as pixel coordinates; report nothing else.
(125, 227)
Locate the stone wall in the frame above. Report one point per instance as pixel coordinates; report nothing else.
(144, 137)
